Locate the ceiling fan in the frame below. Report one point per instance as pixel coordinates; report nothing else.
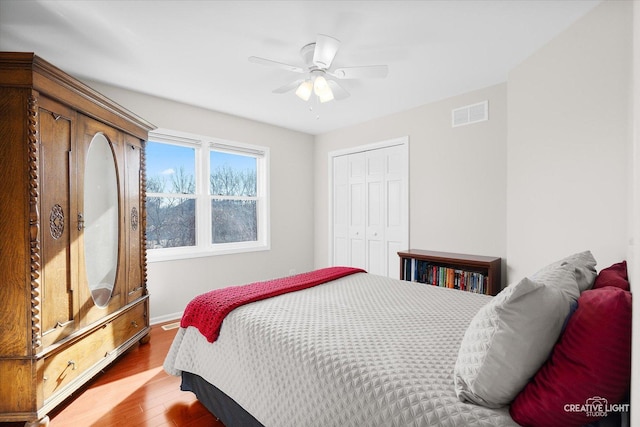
(319, 77)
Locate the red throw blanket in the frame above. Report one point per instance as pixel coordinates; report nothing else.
(207, 311)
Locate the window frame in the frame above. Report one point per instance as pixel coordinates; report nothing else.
(204, 245)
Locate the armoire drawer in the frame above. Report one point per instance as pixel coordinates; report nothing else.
(63, 367)
(129, 324)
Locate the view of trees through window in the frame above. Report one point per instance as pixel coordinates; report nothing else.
(171, 219)
(234, 191)
(172, 195)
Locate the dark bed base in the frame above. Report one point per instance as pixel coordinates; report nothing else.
(233, 415)
(219, 404)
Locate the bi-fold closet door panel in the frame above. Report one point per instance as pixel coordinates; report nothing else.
(349, 210)
(375, 205)
(369, 209)
(340, 213)
(357, 211)
(396, 198)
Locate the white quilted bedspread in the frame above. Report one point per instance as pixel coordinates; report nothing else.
(363, 350)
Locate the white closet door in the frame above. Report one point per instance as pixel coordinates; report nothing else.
(341, 253)
(397, 208)
(375, 206)
(357, 210)
(370, 209)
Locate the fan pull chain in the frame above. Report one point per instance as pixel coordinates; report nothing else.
(314, 103)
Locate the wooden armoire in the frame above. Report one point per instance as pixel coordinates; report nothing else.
(73, 293)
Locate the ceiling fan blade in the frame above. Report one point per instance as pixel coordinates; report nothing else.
(325, 51)
(364, 72)
(339, 92)
(288, 86)
(270, 63)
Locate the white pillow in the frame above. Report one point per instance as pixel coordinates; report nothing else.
(584, 265)
(510, 338)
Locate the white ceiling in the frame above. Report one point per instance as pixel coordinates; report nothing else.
(196, 51)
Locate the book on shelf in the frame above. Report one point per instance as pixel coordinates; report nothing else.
(443, 276)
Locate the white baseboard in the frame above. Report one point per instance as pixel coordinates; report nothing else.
(165, 318)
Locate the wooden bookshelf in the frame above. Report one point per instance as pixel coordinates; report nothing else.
(473, 273)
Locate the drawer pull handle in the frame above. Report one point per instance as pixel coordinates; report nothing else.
(72, 364)
(135, 290)
(60, 324)
(134, 323)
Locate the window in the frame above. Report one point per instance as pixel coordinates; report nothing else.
(204, 196)
(171, 196)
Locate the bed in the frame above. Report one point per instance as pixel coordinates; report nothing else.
(360, 350)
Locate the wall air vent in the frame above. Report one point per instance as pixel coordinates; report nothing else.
(469, 114)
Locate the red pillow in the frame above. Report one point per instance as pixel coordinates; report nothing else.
(590, 362)
(616, 275)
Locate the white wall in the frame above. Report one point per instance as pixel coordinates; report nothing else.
(573, 160)
(172, 284)
(457, 176)
(568, 139)
(560, 183)
(634, 247)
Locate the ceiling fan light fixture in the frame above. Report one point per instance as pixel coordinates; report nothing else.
(304, 90)
(318, 58)
(322, 90)
(326, 97)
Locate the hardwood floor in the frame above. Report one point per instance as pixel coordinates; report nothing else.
(134, 391)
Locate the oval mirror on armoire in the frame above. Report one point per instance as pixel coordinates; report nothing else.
(100, 220)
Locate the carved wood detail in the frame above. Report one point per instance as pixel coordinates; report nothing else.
(135, 220)
(143, 217)
(34, 220)
(56, 221)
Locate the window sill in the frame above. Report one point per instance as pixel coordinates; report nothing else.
(173, 254)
